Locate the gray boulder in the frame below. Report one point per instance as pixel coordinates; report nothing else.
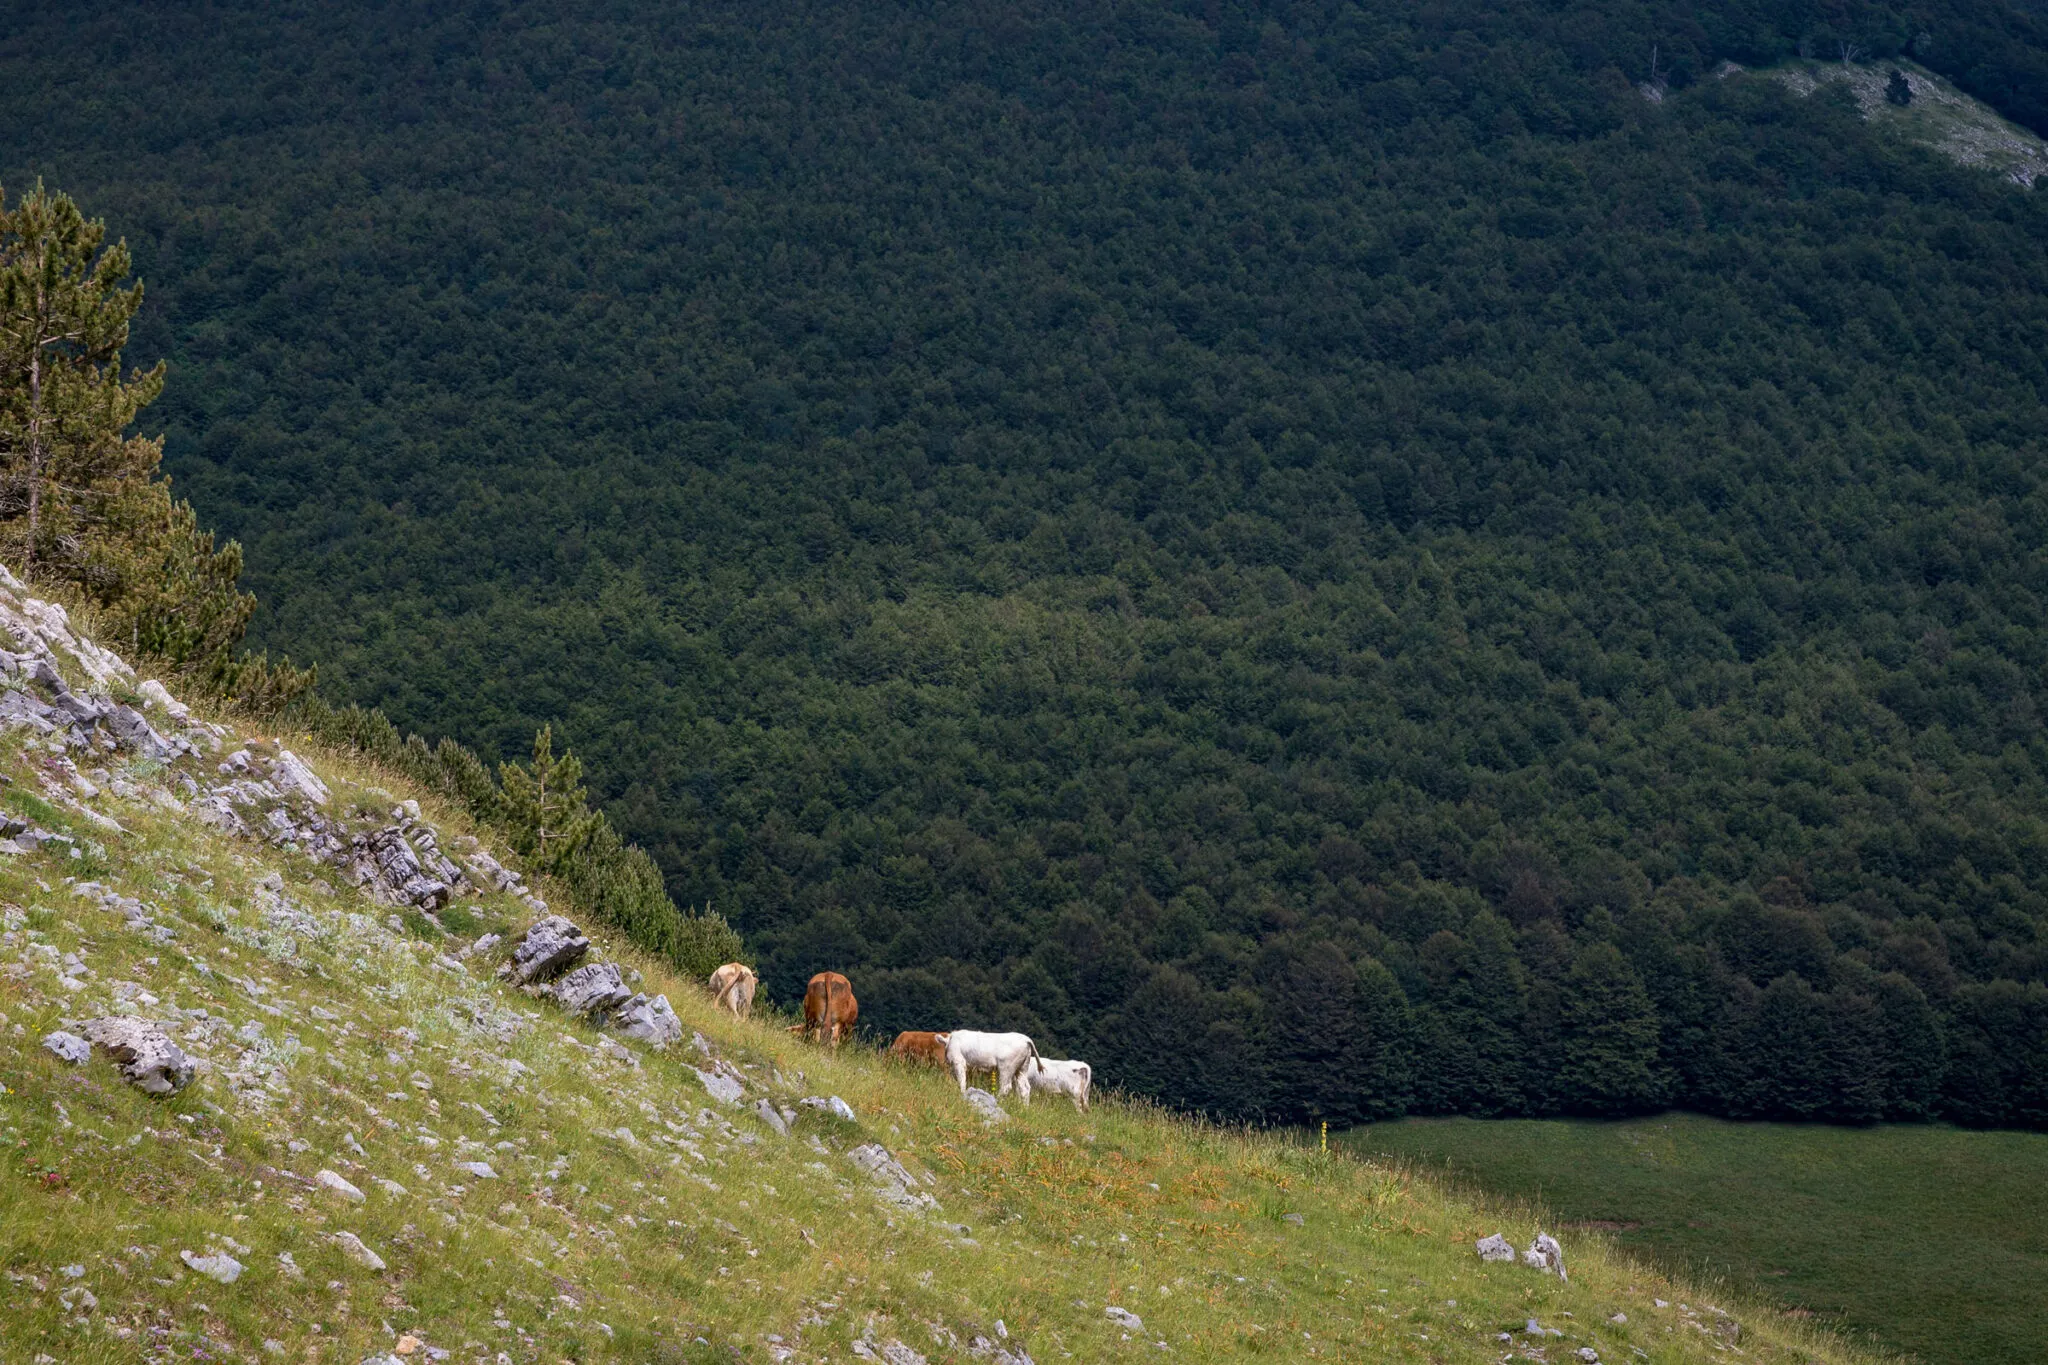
(724, 1088)
(68, 1047)
(991, 1109)
(766, 1112)
(1496, 1248)
(1546, 1255)
(892, 1181)
(290, 775)
(384, 863)
(651, 1019)
(594, 988)
(545, 951)
(148, 1060)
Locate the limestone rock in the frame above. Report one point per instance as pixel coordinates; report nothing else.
(353, 1248)
(721, 1087)
(290, 775)
(651, 1019)
(1124, 1318)
(832, 1105)
(991, 1109)
(1546, 1255)
(219, 1266)
(766, 1112)
(482, 945)
(340, 1185)
(155, 694)
(387, 866)
(148, 1060)
(68, 1047)
(494, 874)
(546, 950)
(479, 1169)
(895, 1184)
(1496, 1248)
(594, 988)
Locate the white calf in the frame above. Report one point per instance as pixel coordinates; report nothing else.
(1010, 1055)
(1071, 1079)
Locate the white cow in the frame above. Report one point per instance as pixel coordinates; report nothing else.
(1010, 1055)
(1071, 1079)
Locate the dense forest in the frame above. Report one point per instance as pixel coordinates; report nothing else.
(1334, 559)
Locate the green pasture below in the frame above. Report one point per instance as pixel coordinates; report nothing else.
(1931, 1240)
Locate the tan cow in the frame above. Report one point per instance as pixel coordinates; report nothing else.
(732, 988)
(929, 1048)
(829, 1009)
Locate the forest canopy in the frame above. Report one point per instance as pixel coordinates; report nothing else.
(1332, 559)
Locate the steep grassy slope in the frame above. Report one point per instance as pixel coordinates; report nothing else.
(626, 1212)
(1118, 517)
(1827, 1220)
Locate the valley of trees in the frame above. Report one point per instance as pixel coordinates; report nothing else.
(1333, 559)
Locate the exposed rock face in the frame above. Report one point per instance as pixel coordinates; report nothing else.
(340, 1185)
(721, 1087)
(768, 1114)
(290, 775)
(1546, 1255)
(593, 989)
(219, 1266)
(545, 951)
(68, 1047)
(148, 1060)
(651, 1019)
(892, 1181)
(387, 866)
(1496, 1248)
(353, 1248)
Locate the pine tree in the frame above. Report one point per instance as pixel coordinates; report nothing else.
(546, 814)
(63, 405)
(82, 502)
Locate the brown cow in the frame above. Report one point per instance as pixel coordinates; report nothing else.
(929, 1048)
(829, 1009)
(732, 986)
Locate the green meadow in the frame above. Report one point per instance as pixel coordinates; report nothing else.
(1931, 1240)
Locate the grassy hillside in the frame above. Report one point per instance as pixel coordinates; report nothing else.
(624, 1212)
(1929, 1239)
(1122, 520)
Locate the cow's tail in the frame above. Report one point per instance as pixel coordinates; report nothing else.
(1037, 1063)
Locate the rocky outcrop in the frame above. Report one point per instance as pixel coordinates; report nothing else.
(651, 1019)
(546, 950)
(148, 1060)
(68, 1047)
(895, 1184)
(384, 863)
(592, 990)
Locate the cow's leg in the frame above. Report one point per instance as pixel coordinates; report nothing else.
(960, 1074)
